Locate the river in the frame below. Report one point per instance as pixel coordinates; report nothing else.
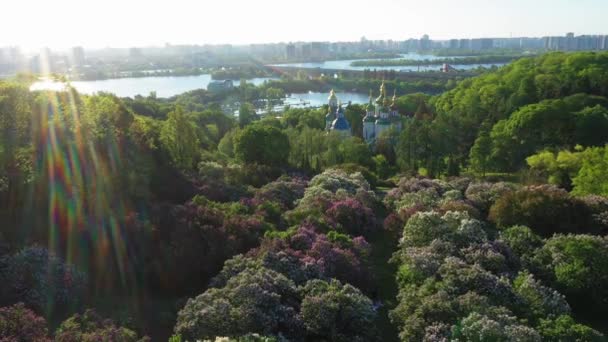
(168, 86)
(346, 64)
(164, 86)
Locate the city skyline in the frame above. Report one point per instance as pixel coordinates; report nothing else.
(66, 23)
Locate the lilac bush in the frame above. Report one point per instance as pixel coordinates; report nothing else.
(18, 323)
(332, 311)
(285, 191)
(41, 280)
(352, 217)
(483, 195)
(90, 327)
(253, 301)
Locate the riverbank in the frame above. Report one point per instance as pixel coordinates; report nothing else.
(451, 60)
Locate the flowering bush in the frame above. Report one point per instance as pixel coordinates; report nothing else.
(545, 209)
(214, 183)
(577, 264)
(564, 328)
(335, 312)
(39, 278)
(253, 301)
(414, 185)
(493, 256)
(333, 180)
(541, 301)
(460, 278)
(392, 223)
(459, 206)
(522, 241)
(598, 206)
(478, 327)
(425, 199)
(90, 327)
(424, 227)
(483, 195)
(352, 217)
(213, 234)
(285, 191)
(307, 255)
(18, 323)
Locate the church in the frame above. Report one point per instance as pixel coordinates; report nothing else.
(335, 119)
(380, 116)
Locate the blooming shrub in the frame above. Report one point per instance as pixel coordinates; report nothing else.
(577, 265)
(352, 217)
(414, 185)
(564, 328)
(39, 278)
(458, 205)
(455, 283)
(285, 191)
(478, 327)
(545, 209)
(424, 227)
(493, 256)
(483, 195)
(335, 312)
(18, 323)
(253, 301)
(541, 301)
(90, 327)
(307, 255)
(392, 223)
(214, 182)
(333, 185)
(522, 241)
(204, 232)
(333, 180)
(598, 206)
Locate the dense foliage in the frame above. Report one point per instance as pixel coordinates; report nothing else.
(460, 280)
(171, 217)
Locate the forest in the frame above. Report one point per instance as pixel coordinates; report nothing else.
(149, 219)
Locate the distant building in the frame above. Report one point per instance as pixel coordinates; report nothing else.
(570, 42)
(77, 56)
(464, 44)
(290, 51)
(335, 121)
(380, 116)
(319, 50)
(424, 43)
(482, 44)
(135, 53)
(220, 86)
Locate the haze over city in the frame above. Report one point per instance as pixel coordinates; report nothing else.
(96, 24)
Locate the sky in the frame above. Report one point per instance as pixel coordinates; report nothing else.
(124, 23)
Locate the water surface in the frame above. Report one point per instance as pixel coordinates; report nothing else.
(164, 86)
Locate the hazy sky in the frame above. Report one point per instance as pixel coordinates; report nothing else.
(124, 23)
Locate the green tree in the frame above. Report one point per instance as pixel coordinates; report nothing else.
(592, 177)
(246, 114)
(179, 136)
(262, 144)
(382, 166)
(354, 114)
(480, 156)
(354, 150)
(592, 126)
